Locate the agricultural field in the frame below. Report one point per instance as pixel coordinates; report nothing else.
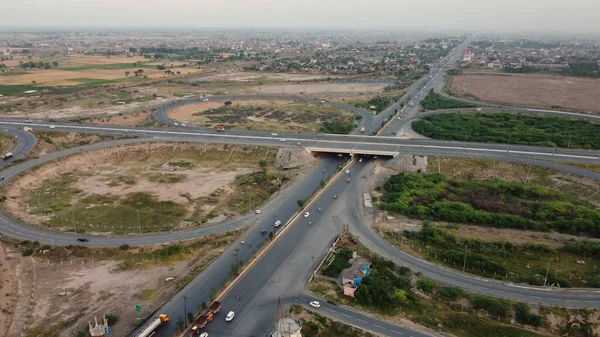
(549, 92)
(267, 115)
(396, 294)
(88, 283)
(147, 188)
(86, 71)
(511, 129)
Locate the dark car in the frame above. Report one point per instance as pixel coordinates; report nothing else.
(331, 302)
(263, 232)
(83, 239)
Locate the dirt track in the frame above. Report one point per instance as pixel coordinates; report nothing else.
(580, 94)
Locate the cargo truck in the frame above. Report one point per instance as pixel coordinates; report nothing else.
(150, 328)
(215, 307)
(220, 128)
(27, 129)
(362, 129)
(7, 155)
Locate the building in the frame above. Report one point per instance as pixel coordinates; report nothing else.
(468, 56)
(287, 327)
(352, 276)
(99, 330)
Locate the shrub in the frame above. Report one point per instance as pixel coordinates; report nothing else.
(112, 319)
(524, 316)
(426, 285)
(491, 305)
(124, 246)
(451, 293)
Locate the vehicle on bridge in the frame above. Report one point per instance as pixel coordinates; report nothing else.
(150, 327)
(220, 128)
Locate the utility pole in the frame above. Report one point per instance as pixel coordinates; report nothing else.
(547, 270)
(185, 319)
(465, 261)
(569, 143)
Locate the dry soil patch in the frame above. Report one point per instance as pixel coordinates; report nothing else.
(532, 90)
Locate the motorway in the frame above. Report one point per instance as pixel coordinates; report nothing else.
(287, 264)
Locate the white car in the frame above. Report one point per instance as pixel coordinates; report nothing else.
(182, 124)
(229, 316)
(175, 124)
(478, 109)
(282, 140)
(315, 304)
(204, 334)
(257, 211)
(274, 134)
(347, 171)
(277, 223)
(360, 160)
(52, 127)
(306, 215)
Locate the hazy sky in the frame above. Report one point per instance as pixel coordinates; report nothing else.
(432, 15)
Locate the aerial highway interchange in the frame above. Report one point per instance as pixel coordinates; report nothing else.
(282, 270)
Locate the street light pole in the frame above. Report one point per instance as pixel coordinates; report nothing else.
(465, 260)
(185, 319)
(139, 225)
(547, 270)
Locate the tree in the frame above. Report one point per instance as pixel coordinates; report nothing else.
(127, 73)
(161, 67)
(33, 82)
(263, 164)
(178, 72)
(190, 317)
(112, 319)
(141, 71)
(55, 63)
(362, 295)
(228, 103)
(132, 50)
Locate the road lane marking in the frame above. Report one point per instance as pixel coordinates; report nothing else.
(398, 332)
(362, 320)
(341, 313)
(379, 326)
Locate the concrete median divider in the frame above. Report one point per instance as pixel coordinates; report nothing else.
(247, 266)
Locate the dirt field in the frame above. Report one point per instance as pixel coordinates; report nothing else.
(70, 287)
(571, 93)
(178, 186)
(271, 115)
(261, 77)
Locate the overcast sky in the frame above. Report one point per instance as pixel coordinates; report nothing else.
(567, 16)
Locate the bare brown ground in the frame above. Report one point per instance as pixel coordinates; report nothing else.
(93, 287)
(8, 290)
(128, 120)
(184, 113)
(103, 164)
(580, 94)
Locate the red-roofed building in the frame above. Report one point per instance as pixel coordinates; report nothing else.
(468, 56)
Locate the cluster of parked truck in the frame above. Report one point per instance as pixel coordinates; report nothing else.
(204, 319)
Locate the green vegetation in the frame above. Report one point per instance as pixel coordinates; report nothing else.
(341, 127)
(488, 203)
(104, 212)
(508, 261)
(96, 82)
(14, 73)
(257, 187)
(340, 262)
(512, 129)
(111, 66)
(315, 325)
(380, 103)
(434, 101)
(10, 90)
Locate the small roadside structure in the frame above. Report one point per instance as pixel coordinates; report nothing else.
(287, 327)
(353, 275)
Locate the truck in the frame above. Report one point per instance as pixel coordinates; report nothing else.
(7, 155)
(201, 323)
(215, 307)
(27, 129)
(150, 328)
(220, 128)
(362, 129)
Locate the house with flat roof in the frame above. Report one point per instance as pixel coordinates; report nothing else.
(352, 276)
